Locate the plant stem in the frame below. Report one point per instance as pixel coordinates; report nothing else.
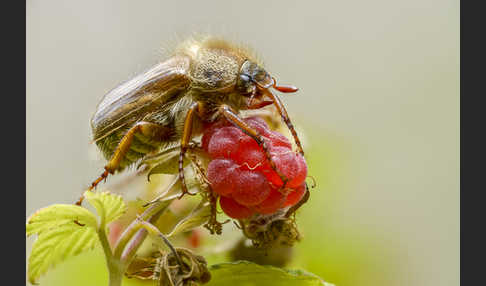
(132, 246)
(115, 279)
(118, 260)
(129, 241)
(133, 236)
(115, 268)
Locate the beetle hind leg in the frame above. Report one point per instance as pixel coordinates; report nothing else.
(151, 130)
(102, 177)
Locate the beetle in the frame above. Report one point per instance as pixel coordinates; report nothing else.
(208, 79)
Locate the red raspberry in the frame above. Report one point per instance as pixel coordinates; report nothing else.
(301, 174)
(273, 202)
(206, 137)
(290, 164)
(250, 156)
(222, 174)
(261, 127)
(295, 196)
(278, 139)
(251, 188)
(225, 142)
(210, 129)
(241, 173)
(233, 209)
(258, 124)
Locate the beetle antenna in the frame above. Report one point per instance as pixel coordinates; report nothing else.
(284, 88)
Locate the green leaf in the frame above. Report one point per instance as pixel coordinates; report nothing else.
(251, 274)
(198, 216)
(57, 215)
(57, 244)
(108, 206)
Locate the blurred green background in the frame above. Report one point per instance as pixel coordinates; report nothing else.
(378, 106)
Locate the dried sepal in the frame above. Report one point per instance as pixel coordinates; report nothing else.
(165, 268)
(270, 230)
(278, 255)
(143, 268)
(213, 225)
(197, 217)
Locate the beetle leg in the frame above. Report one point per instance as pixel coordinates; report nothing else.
(232, 117)
(283, 113)
(186, 137)
(260, 104)
(302, 201)
(148, 129)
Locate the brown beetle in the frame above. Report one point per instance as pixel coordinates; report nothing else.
(204, 79)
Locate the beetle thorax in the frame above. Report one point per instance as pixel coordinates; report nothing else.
(214, 69)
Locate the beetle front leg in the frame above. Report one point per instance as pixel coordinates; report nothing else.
(186, 138)
(232, 117)
(283, 113)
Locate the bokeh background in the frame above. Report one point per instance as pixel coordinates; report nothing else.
(378, 106)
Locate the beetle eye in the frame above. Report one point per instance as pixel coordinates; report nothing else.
(245, 84)
(244, 77)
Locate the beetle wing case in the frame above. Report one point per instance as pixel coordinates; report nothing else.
(133, 99)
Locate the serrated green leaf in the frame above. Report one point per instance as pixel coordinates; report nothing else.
(57, 244)
(57, 215)
(198, 216)
(251, 274)
(108, 206)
